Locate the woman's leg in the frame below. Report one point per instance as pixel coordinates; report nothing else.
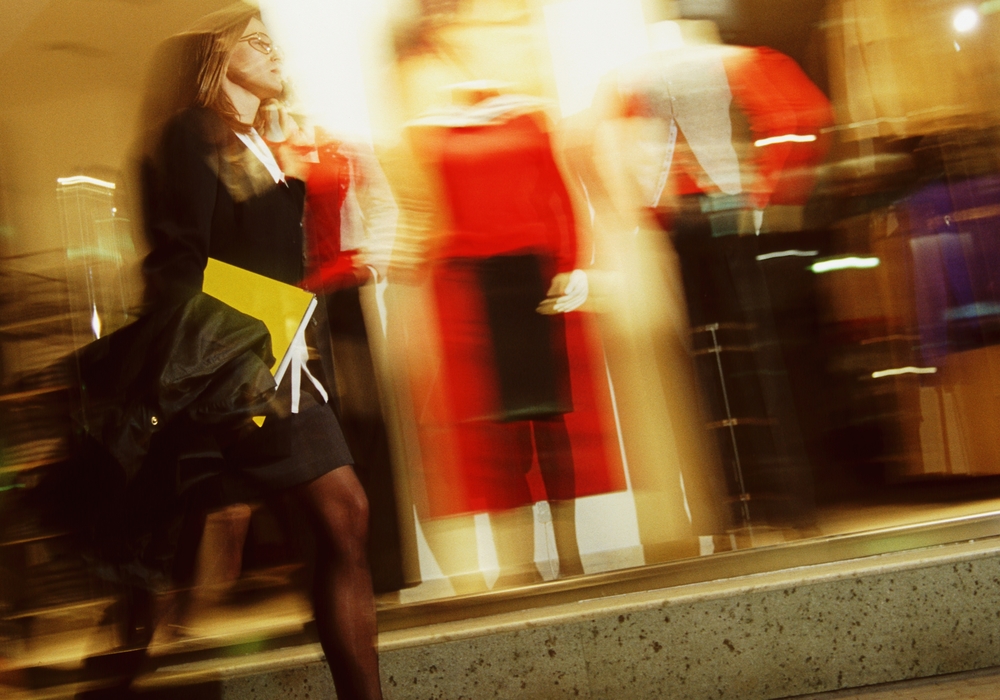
(219, 559)
(342, 595)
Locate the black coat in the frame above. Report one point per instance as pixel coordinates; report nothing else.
(199, 359)
(206, 195)
(196, 365)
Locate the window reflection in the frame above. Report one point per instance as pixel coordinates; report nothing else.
(610, 285)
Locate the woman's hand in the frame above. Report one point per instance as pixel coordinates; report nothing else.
(294, 148)
(294, 158)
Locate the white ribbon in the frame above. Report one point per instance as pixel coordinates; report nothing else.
(299, 353)
(259, 148)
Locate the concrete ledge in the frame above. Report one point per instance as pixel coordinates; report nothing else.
(804, 630)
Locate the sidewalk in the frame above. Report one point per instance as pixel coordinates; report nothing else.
(972, 685)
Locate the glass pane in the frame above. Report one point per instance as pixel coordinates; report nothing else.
(612, 295)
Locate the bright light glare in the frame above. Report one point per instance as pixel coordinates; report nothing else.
(965, 20)
(850, 263)
(95, 323)
(787, 138)
(324, 45)
(589, 38)
(788, 254)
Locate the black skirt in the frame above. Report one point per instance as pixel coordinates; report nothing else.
(529, 348)
(293, 450)
(296, 448)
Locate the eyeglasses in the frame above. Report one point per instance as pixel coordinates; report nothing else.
(259, 42)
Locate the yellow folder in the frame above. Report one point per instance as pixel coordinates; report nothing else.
(284, 308)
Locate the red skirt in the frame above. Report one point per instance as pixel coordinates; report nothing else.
(473, 460)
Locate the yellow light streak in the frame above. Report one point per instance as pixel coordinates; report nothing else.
(903, 370)
(84, 180)
(849, 263)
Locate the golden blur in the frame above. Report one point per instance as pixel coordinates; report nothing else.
(638, 283)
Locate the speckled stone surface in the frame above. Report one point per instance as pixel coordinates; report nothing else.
(803, 639)
(311, 682)
(530, 663)
(767, 636)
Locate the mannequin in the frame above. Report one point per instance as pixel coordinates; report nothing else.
(712, 189)
(350, 223)
(504, 278)
(702, 79)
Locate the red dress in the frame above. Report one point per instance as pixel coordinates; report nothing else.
(505, 196)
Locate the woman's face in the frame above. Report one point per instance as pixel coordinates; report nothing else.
(252, 67)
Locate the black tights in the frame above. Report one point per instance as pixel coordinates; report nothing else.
(343, 601)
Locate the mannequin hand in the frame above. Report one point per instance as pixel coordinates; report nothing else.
(375, 259)
(567, 293)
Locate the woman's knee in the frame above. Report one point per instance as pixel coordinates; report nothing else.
(342, 506)
(354, 506)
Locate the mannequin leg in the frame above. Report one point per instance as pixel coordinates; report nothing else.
(555, 459)
(452, 540)
(564, 528)
(514, 536)
(514, 528)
